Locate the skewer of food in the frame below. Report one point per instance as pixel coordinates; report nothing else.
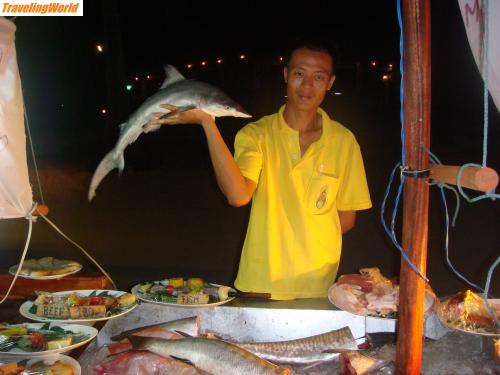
(78, 305)
(177, 290)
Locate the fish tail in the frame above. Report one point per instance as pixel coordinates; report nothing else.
(108, 163)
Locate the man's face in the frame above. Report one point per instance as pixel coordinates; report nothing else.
(308, 77)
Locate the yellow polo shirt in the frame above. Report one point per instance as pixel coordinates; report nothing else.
(293, 241)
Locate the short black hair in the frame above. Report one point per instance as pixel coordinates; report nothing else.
(311, 44)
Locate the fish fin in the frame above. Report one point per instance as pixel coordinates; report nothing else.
(107, 164)
(184, 334)
(121, 164)
(186, 361)
(313, 364)
(172, 75)
(178, 110)
(333, 350)
(148, 128)
(122, 126)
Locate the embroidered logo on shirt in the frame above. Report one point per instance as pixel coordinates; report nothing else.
(321, 201)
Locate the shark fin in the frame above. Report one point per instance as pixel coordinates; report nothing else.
(172, 75)
(122, 126)
(121, 163)
(178, 110)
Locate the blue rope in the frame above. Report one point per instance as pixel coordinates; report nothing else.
(447, 221)
(487, 289)
(391, 232)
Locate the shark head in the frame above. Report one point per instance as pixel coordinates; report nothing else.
(220, 106)
(202, 95)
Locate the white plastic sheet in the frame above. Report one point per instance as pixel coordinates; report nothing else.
(473, 17)
(16, 196)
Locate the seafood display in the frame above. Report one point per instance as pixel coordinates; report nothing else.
(313, 349)
(193, 291)
(211, 355)
(188, 326)
(468, 312)
(370, 293)
(133, 363)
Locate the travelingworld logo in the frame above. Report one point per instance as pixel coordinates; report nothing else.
(41, 8)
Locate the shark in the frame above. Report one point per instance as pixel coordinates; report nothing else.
(183, 93)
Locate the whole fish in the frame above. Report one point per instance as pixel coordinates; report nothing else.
(178, 91)
(214, 356)
(189, 326)
(136, 363)
(313, 349)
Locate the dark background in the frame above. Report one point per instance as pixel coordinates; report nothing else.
(164, 216)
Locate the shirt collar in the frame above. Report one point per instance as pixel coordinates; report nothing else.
(327, 133)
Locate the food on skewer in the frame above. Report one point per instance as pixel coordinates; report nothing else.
(193, 291)
(78, 306)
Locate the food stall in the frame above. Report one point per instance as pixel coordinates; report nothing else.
(424, 345)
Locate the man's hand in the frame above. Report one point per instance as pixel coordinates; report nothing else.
(193, 116)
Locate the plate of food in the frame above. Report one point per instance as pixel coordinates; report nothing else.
(48, 364)
(466, 311)
(191, 292)
(46, 268)
(37, 339)
(78, 306)
(370, 293)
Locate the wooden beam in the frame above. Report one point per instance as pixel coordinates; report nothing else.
(475, 178)
(417, 99)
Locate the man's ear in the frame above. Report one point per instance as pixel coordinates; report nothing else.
(285, 74)
(332, 79)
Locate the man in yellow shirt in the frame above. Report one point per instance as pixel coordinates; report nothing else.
(304, 174)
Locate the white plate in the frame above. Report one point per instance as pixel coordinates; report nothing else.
(135, 290)
(25, 307)
(13, 270)
(430, 302)
(48, 360)
(468, 330)
(76, 328)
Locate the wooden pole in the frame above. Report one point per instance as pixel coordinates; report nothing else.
(417, 99)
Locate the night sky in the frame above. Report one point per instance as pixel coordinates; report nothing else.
(69, 82)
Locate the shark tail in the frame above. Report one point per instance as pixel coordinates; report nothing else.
(111, 161)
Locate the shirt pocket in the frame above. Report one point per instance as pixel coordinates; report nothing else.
(322, 192)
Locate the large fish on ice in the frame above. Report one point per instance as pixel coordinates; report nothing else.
(312, 349)
(214, 356)
(178, 91)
